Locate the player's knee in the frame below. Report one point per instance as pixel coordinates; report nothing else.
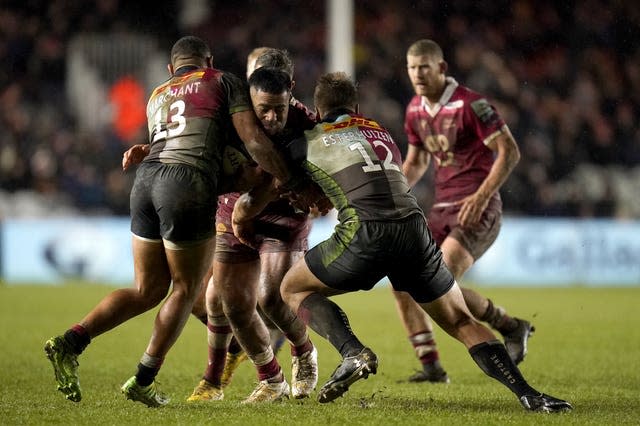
(238, 313)
(152, 295)
(289, 295)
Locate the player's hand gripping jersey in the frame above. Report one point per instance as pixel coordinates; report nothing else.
(358, 166)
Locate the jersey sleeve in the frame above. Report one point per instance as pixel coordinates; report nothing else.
(237, 93)
(484, 119)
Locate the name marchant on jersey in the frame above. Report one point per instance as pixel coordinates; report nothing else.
(175, 89)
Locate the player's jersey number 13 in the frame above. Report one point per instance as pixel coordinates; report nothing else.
(176, 111)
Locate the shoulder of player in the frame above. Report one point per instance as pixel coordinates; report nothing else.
(225, 77)
(203, 75)
(467, 94)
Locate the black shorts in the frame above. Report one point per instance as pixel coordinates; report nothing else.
(359, 254)
(172, 201)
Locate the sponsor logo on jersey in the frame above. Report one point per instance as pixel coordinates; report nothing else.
(482, 109)
(354, 121)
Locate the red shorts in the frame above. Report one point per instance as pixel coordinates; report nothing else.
(443, 223)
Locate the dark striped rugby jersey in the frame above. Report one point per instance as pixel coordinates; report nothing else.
(189, 117)
(359, 167)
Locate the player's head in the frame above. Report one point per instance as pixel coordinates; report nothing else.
(251, 58)
(335, 91)
(270, 90)
(189, 50)
(276, 58)
(426, 68)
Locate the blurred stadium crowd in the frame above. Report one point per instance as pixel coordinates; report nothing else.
(565, 76)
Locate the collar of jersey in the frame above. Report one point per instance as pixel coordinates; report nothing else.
(333, 115)
(185, 69)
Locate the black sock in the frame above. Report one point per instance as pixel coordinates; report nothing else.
(148, 369)
(146, 375)
(493, 359)
(77, 338)
(329, 321)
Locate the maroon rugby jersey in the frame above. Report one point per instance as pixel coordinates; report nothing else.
(299, 119)
(189, 117)
(455, 132)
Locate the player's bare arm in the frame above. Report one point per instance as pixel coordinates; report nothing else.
(270, 159)
(245, 177)
(415, 164)
(507, 156)
(259, 145)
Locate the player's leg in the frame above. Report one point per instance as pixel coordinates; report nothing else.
(209, 388)
(419, 328)
(188, 263)
(238, 285)
(515, 331)
(152, 281)
(308, 296)
(273, 266)
(452, 314)
(236, 355)
(199, 309)
(416, 322)
(228, 252)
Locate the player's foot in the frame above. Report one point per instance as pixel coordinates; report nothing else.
(304, 370)
(351, 369)
(65, 367)
(268, 392)
(148, 395)
(230, 366)
(516, 340)
(544, 403)
(430, 373)
(205, 391)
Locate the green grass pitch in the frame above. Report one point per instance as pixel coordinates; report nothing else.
(586, 349)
